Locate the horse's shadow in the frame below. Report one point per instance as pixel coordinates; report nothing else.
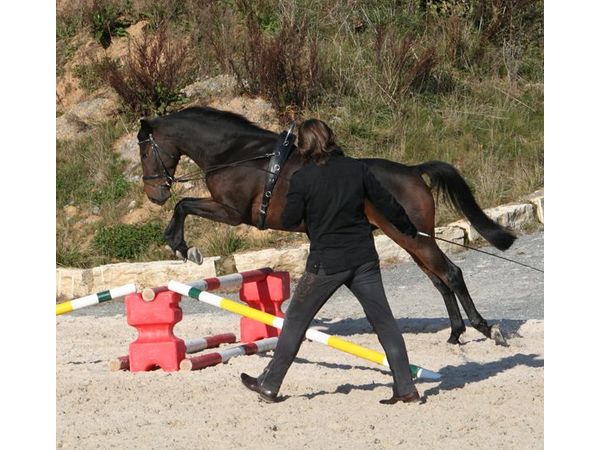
(348, 327)
(453, 377)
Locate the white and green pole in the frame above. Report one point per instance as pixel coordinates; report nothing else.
(277, 322)
(94, 299)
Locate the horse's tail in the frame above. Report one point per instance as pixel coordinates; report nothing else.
(446, 179)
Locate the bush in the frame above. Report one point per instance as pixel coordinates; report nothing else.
(156, 69)
(127, 241)
(283, 67)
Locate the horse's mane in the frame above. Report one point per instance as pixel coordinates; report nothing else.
(234, 118)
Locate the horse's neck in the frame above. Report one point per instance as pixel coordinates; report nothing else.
(227, 148)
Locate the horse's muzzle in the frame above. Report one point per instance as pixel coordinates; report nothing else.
(157, 194)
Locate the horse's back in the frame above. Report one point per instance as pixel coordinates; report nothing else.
(406, 185)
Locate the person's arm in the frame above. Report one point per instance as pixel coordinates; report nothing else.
(293, 213)
(387, 204)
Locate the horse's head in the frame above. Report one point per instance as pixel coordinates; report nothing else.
(159, 157)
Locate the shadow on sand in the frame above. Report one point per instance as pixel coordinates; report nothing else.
(348, 327)
(453, 377)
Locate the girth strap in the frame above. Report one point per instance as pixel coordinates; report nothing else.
(283, 149)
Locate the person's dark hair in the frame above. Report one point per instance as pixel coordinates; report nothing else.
(316, 141)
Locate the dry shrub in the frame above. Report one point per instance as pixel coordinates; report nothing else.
(283, 67)
(150, 79)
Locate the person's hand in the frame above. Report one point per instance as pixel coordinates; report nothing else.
(408, 228)
(411, 231)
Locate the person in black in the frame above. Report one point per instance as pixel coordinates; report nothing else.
(328, 193)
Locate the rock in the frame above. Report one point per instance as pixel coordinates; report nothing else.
(256, 110)
(128, 150)
(537, 200)
(292, 260)
(72, 283)
(94, 111)
(70, 127)
(219, 86)
(470, 232)
(514, 216)
(78, 121)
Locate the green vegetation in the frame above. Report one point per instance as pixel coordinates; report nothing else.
(223, 242)
(88, 172)
(453, 80)
(127, 241)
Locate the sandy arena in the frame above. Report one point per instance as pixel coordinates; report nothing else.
(489, 397)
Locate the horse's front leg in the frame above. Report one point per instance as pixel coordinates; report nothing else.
(203, 207)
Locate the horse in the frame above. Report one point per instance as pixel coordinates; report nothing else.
(233, 153)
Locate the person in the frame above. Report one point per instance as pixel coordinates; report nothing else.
(328, 193)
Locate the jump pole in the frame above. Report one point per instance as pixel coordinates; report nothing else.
(223, 356)
(277, 322)
(191, 346)
(94, 299)
(148, 294)
(213, 283)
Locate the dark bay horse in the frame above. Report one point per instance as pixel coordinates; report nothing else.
(231, 150)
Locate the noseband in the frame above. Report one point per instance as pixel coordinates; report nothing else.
(165, 175)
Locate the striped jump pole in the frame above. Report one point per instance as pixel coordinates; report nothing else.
(191, 346)
(277, 322)
(94, 299)
(231, 280)
(213, 283)
(223, 356)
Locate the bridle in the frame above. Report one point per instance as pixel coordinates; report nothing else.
(165, 175)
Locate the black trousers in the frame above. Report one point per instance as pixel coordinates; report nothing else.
(312, 292)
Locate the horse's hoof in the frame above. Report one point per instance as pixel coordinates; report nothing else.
(180, 256)
(194, 255)
(454, 340)
(497, 336)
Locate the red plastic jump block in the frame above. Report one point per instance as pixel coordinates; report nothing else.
(156, 344)
(265, 295)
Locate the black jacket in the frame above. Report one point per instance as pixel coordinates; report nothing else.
(330, 199)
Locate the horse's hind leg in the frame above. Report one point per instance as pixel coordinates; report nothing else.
(457, 283)
(446, 277)
(437, 262)
(457, 324)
